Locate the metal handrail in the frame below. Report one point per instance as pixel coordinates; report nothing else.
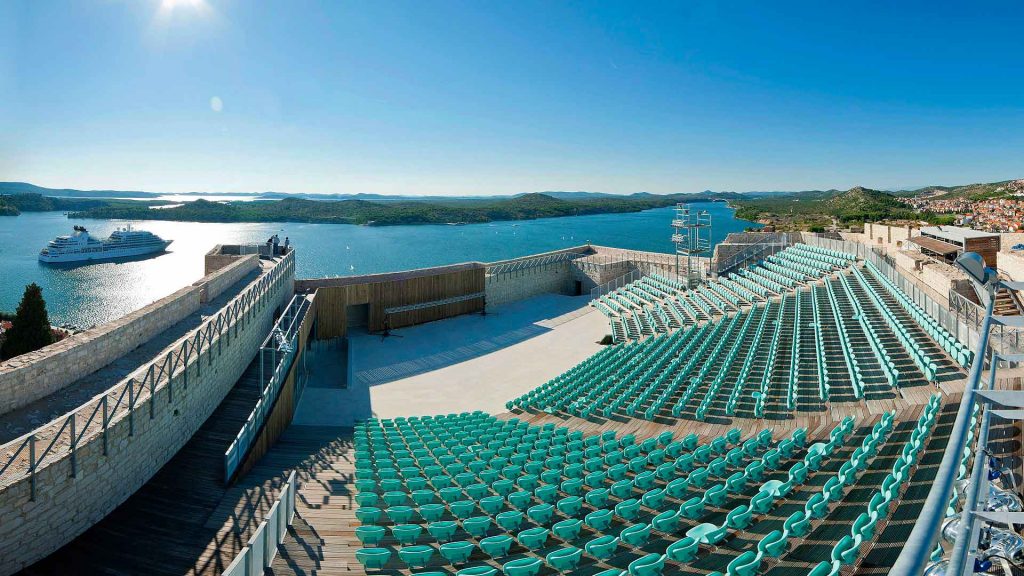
(142, 385)
(778, 241)
(922, 539)
(287, 326)
(615, 284)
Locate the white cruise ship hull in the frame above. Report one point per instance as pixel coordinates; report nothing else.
(107, 254)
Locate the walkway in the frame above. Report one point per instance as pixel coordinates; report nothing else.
(23, 420)
(185, 512)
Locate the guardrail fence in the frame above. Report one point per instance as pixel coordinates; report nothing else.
(281, 345)
(261, 549)
(97, 415)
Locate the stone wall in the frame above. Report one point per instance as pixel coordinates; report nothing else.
(68, 500)
(229, 271)
(891, 238)
(29, 377)
(507, 287)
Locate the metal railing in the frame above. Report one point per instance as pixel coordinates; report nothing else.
(62, 436)
(261, 549)
(611, 286)
(282, 346)
(921, 541)
(961, 319)
(766, 247)
(521, 264)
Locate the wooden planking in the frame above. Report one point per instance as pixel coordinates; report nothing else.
(390, 290)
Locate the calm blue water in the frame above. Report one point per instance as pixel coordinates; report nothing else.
(97, 293)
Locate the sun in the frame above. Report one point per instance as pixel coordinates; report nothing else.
(172, 4)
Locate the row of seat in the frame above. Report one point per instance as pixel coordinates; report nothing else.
(477, 438)
(832, 336)
(656, 304)
(846, 551)
(954, 347)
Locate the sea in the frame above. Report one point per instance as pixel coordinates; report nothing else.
(86, 295)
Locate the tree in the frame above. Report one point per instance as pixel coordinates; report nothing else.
(30, 328)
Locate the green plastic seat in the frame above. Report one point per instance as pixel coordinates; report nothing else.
(666, 521)
(533, 538)
(683, 550)
(400, 514)
(628, 509)
(496, 546)
(368, 514)
(509, 521)
(406, 533)
(442, 531)
(621, 489)
(477, 526)
(745, 564)
(541, 513)
(519, 499)
(603, 547)
(692, 509)
(491, 504)
(570, 505)
(773, 544)
(597, 498)
(739, 518)
(421, 497)
(370, 535)
(573, 487)
(523, 567)
(416, 556)
(457, 552)
(716, 495)
(653, 499)
(798, 524)
(450, 494)
(547, 493)
(432, 512)
(567, 529)
(636, 534)
(373, 558)
(707, 533)
(599, 519)
(647, 565)
(564, 559)
(367, 499)
(699, 477)
(477, 491)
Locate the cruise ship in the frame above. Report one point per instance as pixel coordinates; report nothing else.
(80, 246)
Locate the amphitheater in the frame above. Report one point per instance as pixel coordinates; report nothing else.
(812, 407)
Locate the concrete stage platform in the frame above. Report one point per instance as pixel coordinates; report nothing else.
(471, 362)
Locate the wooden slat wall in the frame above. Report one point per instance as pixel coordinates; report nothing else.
(415, 288)
(284, 408)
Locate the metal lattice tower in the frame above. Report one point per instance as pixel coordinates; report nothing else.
(692, 237)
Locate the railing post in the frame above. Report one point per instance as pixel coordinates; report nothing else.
(152, 395)
(74, 459)
(106, 423)
(131, 407)
(32, 466)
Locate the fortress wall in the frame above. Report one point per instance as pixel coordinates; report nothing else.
(137, 445)
(29, 377)
(556, 277)
(226, 274)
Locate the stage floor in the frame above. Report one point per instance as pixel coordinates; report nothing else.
(471, 362)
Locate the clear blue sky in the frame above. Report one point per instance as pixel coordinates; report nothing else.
(477, 97)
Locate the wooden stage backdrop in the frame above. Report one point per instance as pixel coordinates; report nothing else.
(379, 292)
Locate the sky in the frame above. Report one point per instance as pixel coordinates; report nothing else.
(481, 97)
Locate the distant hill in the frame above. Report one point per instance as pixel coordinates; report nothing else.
(819, 208)
(527, 206)
(978, 191)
